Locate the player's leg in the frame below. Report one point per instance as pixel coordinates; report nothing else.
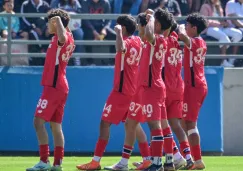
(174, 112)
(143, 148)
(191, 110)
(58, 137)
(114, 112)
(46, 107)
(99, 148)
(168, 145)
(130, 138)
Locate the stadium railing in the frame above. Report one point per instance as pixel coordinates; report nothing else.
(9, 40)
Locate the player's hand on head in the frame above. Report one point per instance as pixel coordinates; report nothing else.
(148, 17)
(182, 29)
(54, 19)
(149, 11)
(118, 28)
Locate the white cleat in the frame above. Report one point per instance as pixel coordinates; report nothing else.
(117, 166)
(179, 163)
(41, 166)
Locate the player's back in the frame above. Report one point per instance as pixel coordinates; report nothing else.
(194, 59)
(126, 66)
(57, 57)
(172, 66)
(151, 63)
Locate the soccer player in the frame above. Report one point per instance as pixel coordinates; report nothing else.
(151, 91)
(194, 78)
(50, 107)
(171, 74)
(129, 49)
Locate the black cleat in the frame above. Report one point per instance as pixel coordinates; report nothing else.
(189, 165)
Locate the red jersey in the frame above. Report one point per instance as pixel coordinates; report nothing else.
(126, 66)
(54, 74)
(171, 72)
(151, 63)
(194, 58)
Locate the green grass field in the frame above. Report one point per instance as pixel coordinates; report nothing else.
(21, 163)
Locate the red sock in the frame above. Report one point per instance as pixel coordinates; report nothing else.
(168, 140)
(44, 152)
(58, 155)
(196, 152)
(100, 147)
(127, 151)
(144, 149)
(185, 149)
(175, 148)
(157, 143)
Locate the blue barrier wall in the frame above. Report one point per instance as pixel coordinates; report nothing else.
(89, 87)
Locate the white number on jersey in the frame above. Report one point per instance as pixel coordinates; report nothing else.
(134, 107)
(107, 109)
(175, 56)
(134, 57)
(185, 107)
(42, 103)
(67, 54)
(148, 110)
(161, 53)
(200, 58)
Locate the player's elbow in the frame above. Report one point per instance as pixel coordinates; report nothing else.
(62, 39)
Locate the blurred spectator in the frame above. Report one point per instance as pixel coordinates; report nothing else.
(97, 29)
(220, 30)
(196, 5)
(73, 7)
(36, 27)
(172, 6)
(135, 4)
(234, 8)
(16, 33)
(8, 6)
(184, 6)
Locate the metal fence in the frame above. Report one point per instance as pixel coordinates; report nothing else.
(9, 40)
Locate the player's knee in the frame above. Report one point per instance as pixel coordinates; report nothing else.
(154, 125)
(164, 123)
(131, 125)
(104, 125)
(175, 124)
(192, 131)
(38, 123)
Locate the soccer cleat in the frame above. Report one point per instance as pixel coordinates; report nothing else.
(180, 163)
(169, 167)
(56, 168)
(41, 166)
(137, 164)
(93, 165)
(189, 165)
(117, 166)
(199, 165)
(154, 167)
(145, 164)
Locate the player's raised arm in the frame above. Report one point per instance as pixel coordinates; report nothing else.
(183, 36)
(60, 29)
(120, 45)
(149, 29)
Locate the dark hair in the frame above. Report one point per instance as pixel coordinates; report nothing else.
(65, 18)
(141, 19)
(197, 20)
(164, 17)
(174, 26)
(128, 22)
